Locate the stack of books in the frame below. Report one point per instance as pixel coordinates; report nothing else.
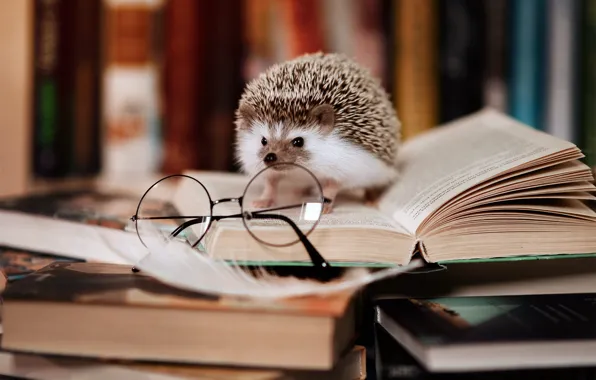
(493, 207)
(73, 308)
(106, 312)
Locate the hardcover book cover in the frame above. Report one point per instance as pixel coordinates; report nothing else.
(392, 362)
(494, 332)
(112, 284)
(463, 320)
(102, 310)
(16, 263)
(87, 206)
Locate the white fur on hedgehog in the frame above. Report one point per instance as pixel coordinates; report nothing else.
(333, 158)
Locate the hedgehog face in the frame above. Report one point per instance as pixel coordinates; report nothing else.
(279, 144)
(262, 143)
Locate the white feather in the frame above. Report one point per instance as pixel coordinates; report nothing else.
(177, 264)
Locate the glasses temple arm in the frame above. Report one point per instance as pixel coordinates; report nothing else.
(187, 224)
(314, 255)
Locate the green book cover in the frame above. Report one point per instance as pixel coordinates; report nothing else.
(451, 321)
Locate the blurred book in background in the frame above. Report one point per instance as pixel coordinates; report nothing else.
(66, 88)
(131, 74)
(151, 87)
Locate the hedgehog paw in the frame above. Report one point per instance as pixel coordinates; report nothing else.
(262, 203)
(330, 190)
(372, 195)
(328, 208)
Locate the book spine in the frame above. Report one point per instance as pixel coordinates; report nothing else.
(388, 28)
(304, 25)
(416, 93)
(85, 150)
(131, 98)
(47, 160)
(257, 31)
(66, 87)
(526, 81)
(368, 48)
(461, 58)
(340, 20)
(495, 82)
(183, 81)
(588, 87)
(562, 55)
(225, 82)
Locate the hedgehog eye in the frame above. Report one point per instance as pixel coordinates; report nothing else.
(264, 141)
(298, 142)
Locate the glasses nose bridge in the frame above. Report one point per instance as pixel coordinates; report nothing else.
(224, 200)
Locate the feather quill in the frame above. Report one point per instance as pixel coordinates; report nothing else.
(177, 264)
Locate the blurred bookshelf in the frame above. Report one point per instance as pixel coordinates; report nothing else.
(125, 89)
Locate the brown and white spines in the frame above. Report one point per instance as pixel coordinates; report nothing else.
(131, 80)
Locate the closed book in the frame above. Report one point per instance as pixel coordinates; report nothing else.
(394, 362)
(351, 366)
(488, 333)
(105, 310)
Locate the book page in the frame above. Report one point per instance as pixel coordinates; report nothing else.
(69, 239)
(361, 217)
(345, 215)
(454, 157)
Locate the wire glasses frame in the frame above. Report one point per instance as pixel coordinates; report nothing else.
(266, 213)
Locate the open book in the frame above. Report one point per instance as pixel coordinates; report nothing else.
(483, 186)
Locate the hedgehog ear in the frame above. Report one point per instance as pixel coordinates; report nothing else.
(324, 116)
(245, 115)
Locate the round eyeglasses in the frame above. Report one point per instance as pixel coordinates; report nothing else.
(280, 206)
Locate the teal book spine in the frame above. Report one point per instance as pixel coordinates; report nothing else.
(527, 61)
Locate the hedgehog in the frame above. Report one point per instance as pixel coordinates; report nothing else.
(325, 112)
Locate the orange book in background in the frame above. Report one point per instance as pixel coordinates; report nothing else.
(257, 29)
(303, 26)
(415, 87)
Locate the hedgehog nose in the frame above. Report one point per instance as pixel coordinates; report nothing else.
(270, 158)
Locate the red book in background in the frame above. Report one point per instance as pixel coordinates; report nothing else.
(183, 84)
(304, 26)
(224, 82)
(203, 80)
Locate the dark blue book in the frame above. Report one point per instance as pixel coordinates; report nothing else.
(393, 362)
(488, 333)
